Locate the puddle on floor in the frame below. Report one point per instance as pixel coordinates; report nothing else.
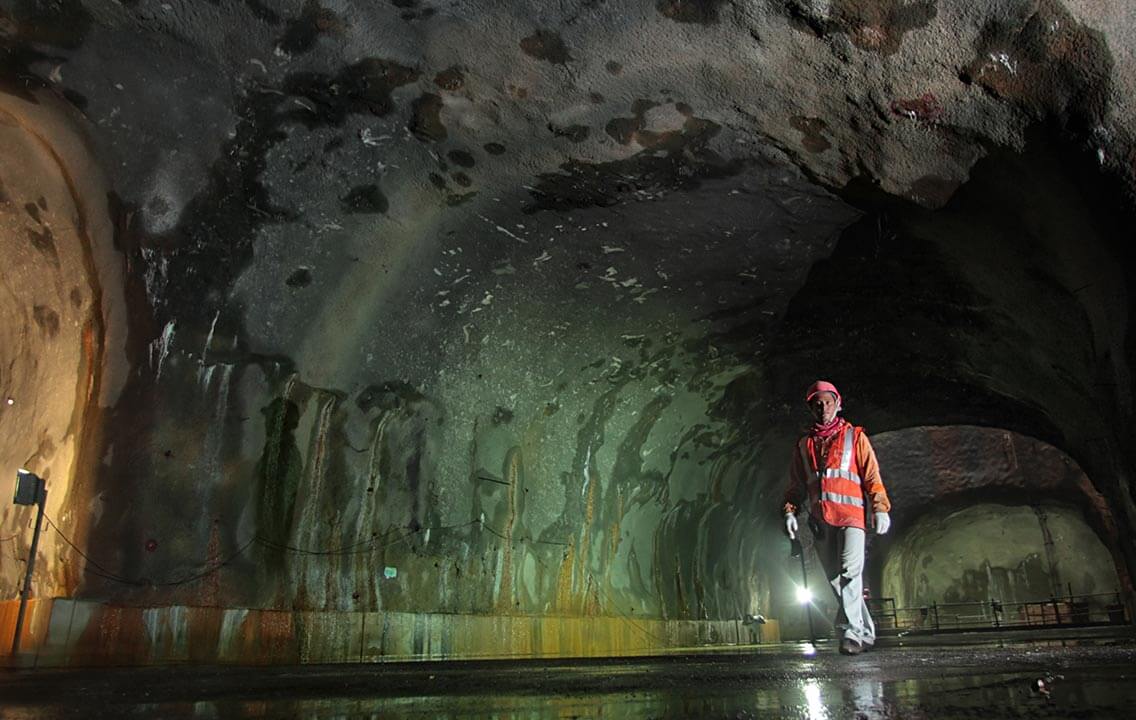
(1086, 693)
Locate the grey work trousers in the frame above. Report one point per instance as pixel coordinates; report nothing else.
(841, 553)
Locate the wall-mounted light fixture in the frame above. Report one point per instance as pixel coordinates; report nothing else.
(30, 490)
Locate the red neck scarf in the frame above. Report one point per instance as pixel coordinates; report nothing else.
(827, 430)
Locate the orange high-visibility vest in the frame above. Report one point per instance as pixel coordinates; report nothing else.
(836, 488)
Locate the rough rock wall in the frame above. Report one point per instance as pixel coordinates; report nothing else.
(1009, 553)
(60, 328)
(948, 479)
(391, 266)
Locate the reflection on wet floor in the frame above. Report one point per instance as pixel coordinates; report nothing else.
(925, 683)
(812, 699)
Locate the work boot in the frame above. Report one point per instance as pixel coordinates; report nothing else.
(848, 646)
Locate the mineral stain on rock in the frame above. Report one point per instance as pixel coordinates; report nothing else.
(701, 12)
(44, 241)
(63, 23)
(426, 118)
(451, 79)
(1050, 64)
(365, 199)
(301, 33)
(278, 471)
(461, 158)
(812, 130)
(301, 277)
(575, 133)
(47, 319)
(673, 160)
(622, 130)
(626, 130)
(546, 45)
(874, 25)
(363, 87)
(925, 108)
(454, 199)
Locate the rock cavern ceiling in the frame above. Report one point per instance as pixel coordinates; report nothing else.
(517, 300)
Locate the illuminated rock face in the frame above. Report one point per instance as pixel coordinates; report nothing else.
(992, 514)
(451, 308)
(996, 551)
(60, 328)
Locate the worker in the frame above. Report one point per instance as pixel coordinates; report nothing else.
(835, 467)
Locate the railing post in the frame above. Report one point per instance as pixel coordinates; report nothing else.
(935, 609)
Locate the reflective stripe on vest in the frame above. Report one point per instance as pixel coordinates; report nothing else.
(834, 485)
(845, 474)
(843, 499)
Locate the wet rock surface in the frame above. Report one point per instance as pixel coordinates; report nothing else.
(520, 307)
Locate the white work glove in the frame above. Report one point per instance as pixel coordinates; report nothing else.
(791, 525)
(883, 522)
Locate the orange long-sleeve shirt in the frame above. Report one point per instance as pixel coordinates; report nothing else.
(866, 461)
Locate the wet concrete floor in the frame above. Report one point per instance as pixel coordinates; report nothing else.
(988, 681)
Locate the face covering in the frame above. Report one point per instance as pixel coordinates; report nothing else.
(828, 429)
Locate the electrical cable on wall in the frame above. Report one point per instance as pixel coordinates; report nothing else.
(102, 572)
(98, 570)
(94, 568)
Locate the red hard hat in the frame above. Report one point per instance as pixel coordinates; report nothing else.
(822, 386)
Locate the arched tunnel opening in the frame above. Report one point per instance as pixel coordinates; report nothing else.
(367, 355)
(55, 322)
(935, 288)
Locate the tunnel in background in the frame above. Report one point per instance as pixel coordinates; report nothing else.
(1007, 553)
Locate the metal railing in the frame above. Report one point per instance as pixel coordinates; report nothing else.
(1071, 610)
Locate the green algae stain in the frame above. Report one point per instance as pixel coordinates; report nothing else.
(278, 471)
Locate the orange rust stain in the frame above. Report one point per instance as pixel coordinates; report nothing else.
(614, 529)
(514, 477)
(204, 633)
(591, 597)
(564, 594)
(589, 515)
(277, 634)
(590, 504)
(90, 363)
